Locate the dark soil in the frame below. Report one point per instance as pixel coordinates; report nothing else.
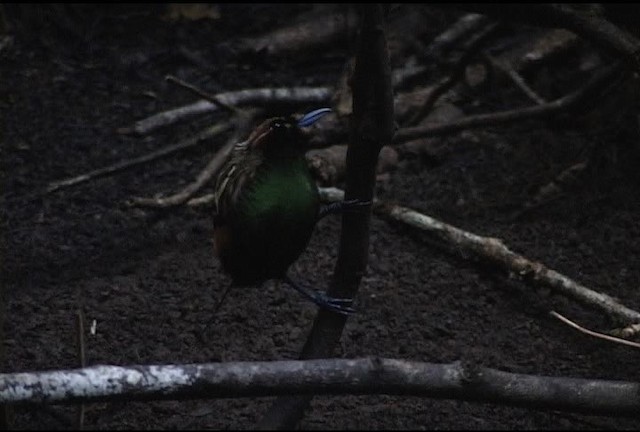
(150, 282)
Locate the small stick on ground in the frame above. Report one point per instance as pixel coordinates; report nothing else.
(553, 190)
(456, 74)
(466, 25)
(206, 134)
(207, 96)
(201, 200)
(209, 172)
(203, 178)
(592, 333)
(517, 79)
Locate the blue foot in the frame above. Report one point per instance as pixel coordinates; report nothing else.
(342, 206)
(337, 305)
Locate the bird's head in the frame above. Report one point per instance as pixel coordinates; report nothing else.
(281, 136)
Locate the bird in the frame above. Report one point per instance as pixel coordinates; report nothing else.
(267, 205)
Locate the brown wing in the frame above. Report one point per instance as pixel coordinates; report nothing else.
(239, 169)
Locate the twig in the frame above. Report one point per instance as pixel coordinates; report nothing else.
(82, 360)
(554, 44)
(592, 333)
(206, 134)
(207, 96)
(516, 78)
(201, 200)
(438, 48)
(372, 127)
(403, 77)
(260, 96)
(553, 190)
(458, 380)
(457, 72)
(464, 26)
(209, 171)
(494, 251)
(483, 120)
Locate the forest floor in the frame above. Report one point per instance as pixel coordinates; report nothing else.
(150, 282)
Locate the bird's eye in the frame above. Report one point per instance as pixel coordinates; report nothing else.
(280, 125)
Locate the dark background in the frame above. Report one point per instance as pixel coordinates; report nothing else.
(71, 77)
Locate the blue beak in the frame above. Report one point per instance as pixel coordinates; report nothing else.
(310, 118)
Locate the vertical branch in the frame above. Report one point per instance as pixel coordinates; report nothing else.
(372, 127)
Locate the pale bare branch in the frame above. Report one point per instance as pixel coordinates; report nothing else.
(459, 380)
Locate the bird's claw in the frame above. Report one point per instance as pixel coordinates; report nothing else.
(338, 305)
(322, 299)
(342, 206)
(355, 204)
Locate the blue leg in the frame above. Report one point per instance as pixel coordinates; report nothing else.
(341, 306)
(341, 206)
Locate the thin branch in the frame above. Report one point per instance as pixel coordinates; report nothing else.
(517, 79)
(483, 120)
(372, 127)
(457, 380)
(209, 97)
(206, 134)
(438, 49)
(494, 251)
(209, 171)
(592, 333)
(553, 45)
(553, 190)
(465, 25)
(201, 200)
(260, 96)
(457, 72)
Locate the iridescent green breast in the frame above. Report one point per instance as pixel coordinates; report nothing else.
(286, 191)
(274, 221)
